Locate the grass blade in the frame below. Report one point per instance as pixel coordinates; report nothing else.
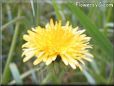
(56, 10)
(98, 37)
(15, 73)
(26, 74)
(89, 77)
(6, 73)
(11, 22)
(34, 78)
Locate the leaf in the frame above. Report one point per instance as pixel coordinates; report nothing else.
(99, 78)
(98, 37)
(89, 77)
(33, 12)
(6, 73)
(34, 78)
(26, 74)
(56, 9)
(95, 67)
(32, 5)
(15, 73)
(46, 79)
(11, 22)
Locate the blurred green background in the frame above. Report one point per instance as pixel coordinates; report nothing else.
(19, 16)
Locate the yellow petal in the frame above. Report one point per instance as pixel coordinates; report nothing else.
(70, 58)
(30, 32)
(45, 58)
(89, 55)
(80, 32)
(25, 45)
(49, 60)
(67, 24)
(31, 54)
(51, 23)
(39, 58)
(87, 58)
(72, 65)
(54, 57)
(26, 37)
(47, 26)
(37, 61)
(75, 29)
(71, 61)
(27, 51)
(64, 59)
(80, 67)
(33, 29)
(82, 61)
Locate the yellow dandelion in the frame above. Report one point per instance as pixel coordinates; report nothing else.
(57, 41)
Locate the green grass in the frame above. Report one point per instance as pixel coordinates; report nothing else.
(17, 18)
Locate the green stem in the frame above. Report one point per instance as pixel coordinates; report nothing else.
(6, 73)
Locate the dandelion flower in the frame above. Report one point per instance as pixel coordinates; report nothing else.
(57, 41)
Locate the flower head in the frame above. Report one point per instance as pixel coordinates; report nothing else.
(57, 41)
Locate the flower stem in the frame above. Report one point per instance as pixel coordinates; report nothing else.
(6, 73)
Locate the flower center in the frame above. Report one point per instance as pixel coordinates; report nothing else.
(58, 59)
